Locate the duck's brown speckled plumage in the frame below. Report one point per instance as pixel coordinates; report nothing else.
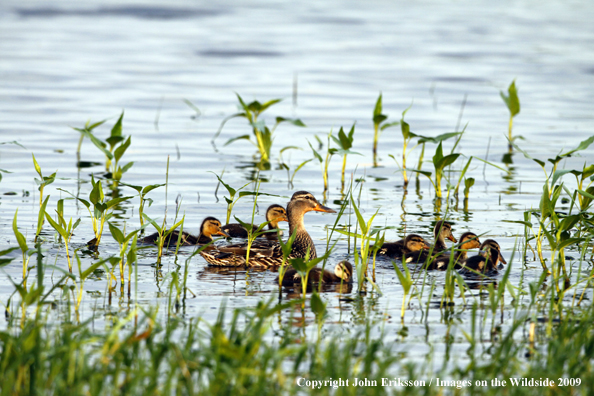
(301, 203)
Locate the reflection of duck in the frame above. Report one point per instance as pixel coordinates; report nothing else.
(210, 226)
(442, 230)
(274, 215)
(468, 240)
(343, 272)
(487, 259)
(301, 203)
(413, 243)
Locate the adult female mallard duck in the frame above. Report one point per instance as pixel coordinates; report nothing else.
(210, 226)
(468, 240)
(274, 215)
(301, 203)
(343, 273)
(486, 261)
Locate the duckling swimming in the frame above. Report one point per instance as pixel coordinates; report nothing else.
(210, 226)
(343, 273)
(468, 240)
(486, 261)
(274, 215)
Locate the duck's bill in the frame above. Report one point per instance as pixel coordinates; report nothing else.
(451, 238)
(223, 233)
(321, 208)
(501, 259)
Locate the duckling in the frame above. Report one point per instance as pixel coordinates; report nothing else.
(301, 203)
(274, 215)
(210, 226)
(343, 273)
(487, 259)
(468, 240)
(411, 244)
(442, 230)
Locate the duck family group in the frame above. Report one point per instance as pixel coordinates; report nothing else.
(267, 252)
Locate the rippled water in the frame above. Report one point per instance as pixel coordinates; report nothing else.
(65, 64)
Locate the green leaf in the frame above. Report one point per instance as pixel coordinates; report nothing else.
(512, 101)
(582, 146)
(150, 188)
(378, 107)
(119, 152)
(242, 137)
(359, 218)
(266, 105)
(116, 201)
(316, 155)
(117, 128)
(40, 215)
(569, 241)
(20, 238)
(317, 305)
(294, 121)
(438, 138)
(153, 222)
(228, 187)
(116, 233)
(539, 162)
(61, 230)
(37, 167)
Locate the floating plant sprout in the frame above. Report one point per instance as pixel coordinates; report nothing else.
(345, 142)
(379, 125)
(513, 105)
(262, 134)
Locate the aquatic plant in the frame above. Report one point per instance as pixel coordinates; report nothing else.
(324, 162)
(117, 147)
(406, 281)
(379, 125)
(123, 241)
(345, 142)
(366, 234)
(43, 181)
(163, 234)
(285, 166)
(101, 210)
(440, 162)
(22, 245)
(142, 192)
(263, 135)
(65, 230)
(513, 105)
(236, 194)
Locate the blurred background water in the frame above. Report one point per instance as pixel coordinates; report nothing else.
(64, 63)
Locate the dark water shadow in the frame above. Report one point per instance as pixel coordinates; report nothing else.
(142, 12)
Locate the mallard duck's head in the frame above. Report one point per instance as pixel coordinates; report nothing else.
(344, 270)
(211, 226)
(275, 214)
(303, 202)
(444, 229)
(469, 240)
(492, 249)
(414, 243)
